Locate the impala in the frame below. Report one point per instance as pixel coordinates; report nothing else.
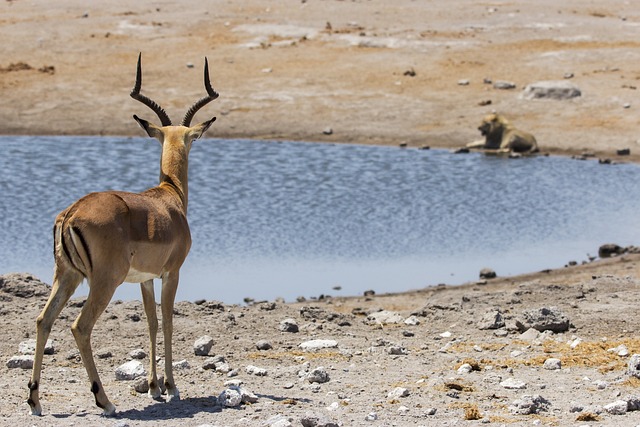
(113, 237)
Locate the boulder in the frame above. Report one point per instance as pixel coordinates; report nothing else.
(543, 319)
(552, 89)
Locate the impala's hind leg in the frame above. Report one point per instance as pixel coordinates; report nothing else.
(100, 294)
(64, 284)
(169, 288)
(149, 301)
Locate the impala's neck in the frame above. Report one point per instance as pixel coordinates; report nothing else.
(174, 164)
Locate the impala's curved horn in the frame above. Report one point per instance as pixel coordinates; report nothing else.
(135, 94)
(211, 95)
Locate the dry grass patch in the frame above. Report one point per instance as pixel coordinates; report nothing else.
(471, 410)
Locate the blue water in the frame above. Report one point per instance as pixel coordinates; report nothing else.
(286, 219)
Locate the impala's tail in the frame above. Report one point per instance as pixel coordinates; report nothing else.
(69, 246)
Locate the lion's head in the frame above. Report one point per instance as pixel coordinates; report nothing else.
(492, 124)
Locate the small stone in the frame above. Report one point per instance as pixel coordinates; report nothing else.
(558, 90)
(633, 367)
(254, 370)
(504, 85)
(141, 385)
(315, 345)
(397, 393)
(318, 375)
(513, 384)
(130, 371)
(137, 354)
(29, 347)
(23, 362)
(430, 411)
(181, 364)
(623, 152)
(263, 345)
(463, 82)
(289, 325)
(529, 404)
(327, 131)
(384, 317)
(203, 345)
(620, 350)
(371, 416)
(396, 350)
(487, 273)
(492, 320)
(412, 321)
(230, 397)
(465, 368)
(619, 407)
(552, 364)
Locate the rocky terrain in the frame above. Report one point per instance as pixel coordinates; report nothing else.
(557, 347)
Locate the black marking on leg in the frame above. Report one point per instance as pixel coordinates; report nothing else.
(31, 403)
(33, 385)
(167, 385)
(153, 384)
(95, 388)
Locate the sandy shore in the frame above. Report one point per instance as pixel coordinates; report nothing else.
(372, 72)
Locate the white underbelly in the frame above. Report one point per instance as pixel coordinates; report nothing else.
(135, 276)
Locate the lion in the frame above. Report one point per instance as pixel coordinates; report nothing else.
(501, 137)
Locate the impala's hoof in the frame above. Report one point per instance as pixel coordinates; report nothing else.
(173, 394)
(36, 410)
(109, 410)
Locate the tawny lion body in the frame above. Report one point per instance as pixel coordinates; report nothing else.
(113, 237)
(500, 136)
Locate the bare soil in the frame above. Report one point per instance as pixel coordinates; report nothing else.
(372, 72)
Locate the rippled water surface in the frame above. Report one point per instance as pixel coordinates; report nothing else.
(291, 219)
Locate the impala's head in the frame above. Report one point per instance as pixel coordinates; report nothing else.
(185, 133)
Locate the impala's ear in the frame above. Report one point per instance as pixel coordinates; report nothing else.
(152, 130)
(199, 130)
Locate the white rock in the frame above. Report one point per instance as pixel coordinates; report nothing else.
(314, 345)
(230, 397)
(412, 321)
(385, 318)
(446, 334)
(403, 409)
(318, 375)
(29, 347)
(513, 384)
(530, 335)
(333, 407)
(552, 364)
(560, 90)
(254, 370)
(619, 407)
(371, 416)
(203, 345)
(465, 368)
(130, 371)
(620, 350)
(574, 343)
(397, 393)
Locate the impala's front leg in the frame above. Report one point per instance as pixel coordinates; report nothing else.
(149, 301)
(99, 296)
(169, 288)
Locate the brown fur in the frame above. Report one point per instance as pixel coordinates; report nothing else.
(501, 136)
